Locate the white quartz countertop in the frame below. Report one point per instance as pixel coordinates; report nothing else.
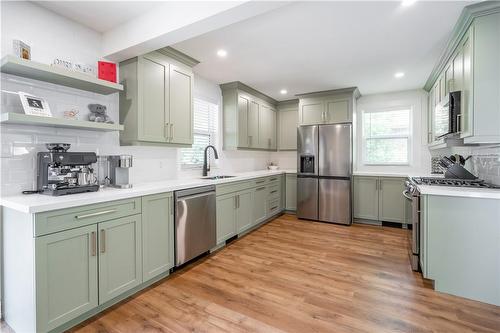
(36, 203)
(379, 174)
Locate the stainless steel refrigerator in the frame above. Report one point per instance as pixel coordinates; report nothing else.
(324, 173)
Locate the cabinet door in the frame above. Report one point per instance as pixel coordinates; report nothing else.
(243, 113)
(311, 113)
(291, 192)
(365, 198)
(466, 103)
(157, 235)
(244, 210)
(448, 79)
(288, 122)
(430, 113)
(253, 125)
(153, 99)
(337, 111)
(272, 128)
(267, 127)
(226, 217)
(181, 105)
(260, 204)
(66, 276)
(391, 200)
(120, 256)
(458, 70)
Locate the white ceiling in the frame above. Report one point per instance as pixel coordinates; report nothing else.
(100, 16)
(314, 46)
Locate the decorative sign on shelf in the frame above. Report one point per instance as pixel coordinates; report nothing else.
(34, 106)
(107, 71)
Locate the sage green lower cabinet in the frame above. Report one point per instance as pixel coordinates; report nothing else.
(66, 276)
(244, 210)
(120, 256)
(365, 198)
(260, 204)
(391, 200)
(226, 217)
(379, 199)
(157, 235)
(291, 192)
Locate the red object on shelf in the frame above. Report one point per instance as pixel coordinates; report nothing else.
(106, 71)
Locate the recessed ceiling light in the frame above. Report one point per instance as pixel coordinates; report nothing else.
(407, 3)
(283, 91)
(399, 75)
(222, 53)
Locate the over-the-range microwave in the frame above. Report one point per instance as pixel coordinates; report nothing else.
(447, 115)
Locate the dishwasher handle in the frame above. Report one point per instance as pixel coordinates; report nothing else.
(194, 196)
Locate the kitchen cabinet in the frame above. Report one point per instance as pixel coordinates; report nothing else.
(327, 107)
(267, 127)
(249, 118)
(66, 276)
(391, 200)
(226, 217)
(244, 210)
(156, 105)
(288, 120)
(466, 102)
(120, 256)
(379, 199)
(291, 192)
(260, 204)
(157, 235)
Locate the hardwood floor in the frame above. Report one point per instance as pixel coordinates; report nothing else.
(300, 276)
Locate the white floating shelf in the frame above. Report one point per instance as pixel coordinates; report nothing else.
(23, 119)
(42, 72)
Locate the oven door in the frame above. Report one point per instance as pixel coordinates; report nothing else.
(413, 200)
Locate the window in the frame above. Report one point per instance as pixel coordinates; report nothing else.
(386, 136)
(205, 120)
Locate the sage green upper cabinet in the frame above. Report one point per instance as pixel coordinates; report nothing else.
(327, 107)
(66, 276)
(156, 105)
(120, 256)
(391, 200)
(249, 118)
(181, 105)
(226, 217)
(157, 235)
(288, 120)
(466, 102)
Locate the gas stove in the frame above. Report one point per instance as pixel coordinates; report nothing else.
(475, 183)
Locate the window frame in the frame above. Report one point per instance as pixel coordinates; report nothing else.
(409, 137)
(215, 133)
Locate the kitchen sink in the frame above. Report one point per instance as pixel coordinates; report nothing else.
(217, 177)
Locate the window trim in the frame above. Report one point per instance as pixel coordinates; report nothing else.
(409, 137)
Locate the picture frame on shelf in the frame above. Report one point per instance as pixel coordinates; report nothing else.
(34, 105)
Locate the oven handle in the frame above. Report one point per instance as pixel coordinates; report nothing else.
(407, 195)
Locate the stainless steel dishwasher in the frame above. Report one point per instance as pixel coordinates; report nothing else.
(195, 222)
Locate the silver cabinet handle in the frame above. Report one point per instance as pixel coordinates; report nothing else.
(166, 131)
(274, 191)
(235, 202)
(273, 208)
(259, 181)
(376, 184)
(93, 246)
(261, 188)
(459, 123)
(273, 179)
(171, 132)
(380, 184)
(238, 197)
(84, 216)
(103, 240)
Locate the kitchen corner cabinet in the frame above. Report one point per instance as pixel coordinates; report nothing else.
(157, 234)
(288, 120)
(156, 105)
(379, 199)
(328, 107)
(249, 118)
(291, 192)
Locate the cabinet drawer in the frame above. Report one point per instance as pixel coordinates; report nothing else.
(233, 187)
(273, 207)
(274, 191)
(260, 181)
(64, 219)
(274, 178)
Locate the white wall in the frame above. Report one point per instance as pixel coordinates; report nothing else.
(49, 35)
(420, 156)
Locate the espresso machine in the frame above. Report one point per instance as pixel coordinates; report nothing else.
(61, 172)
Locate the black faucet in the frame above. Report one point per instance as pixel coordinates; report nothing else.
(206, 169)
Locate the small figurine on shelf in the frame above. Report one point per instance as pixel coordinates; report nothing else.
(98, 114)
(21, 49)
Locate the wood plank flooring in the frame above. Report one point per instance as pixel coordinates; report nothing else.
(299, 276)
